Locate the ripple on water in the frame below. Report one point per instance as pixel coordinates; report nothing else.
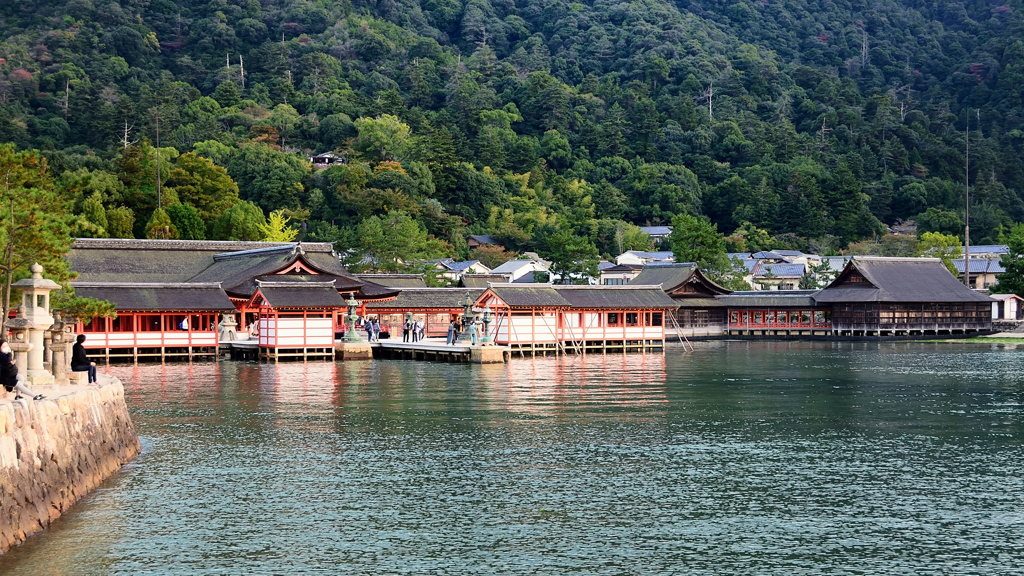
(768, 458)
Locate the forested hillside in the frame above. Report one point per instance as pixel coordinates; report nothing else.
(551, 125)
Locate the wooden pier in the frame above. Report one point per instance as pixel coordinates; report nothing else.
(431, 350)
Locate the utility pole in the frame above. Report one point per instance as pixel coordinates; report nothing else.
(967, 203)
(159, 196)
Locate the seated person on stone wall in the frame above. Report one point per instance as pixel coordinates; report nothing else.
(80, 362)
(9, 376)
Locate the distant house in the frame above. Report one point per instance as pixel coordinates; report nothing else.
(776, 276)
(481, 240)
(657, 234)
(454, 271)
(984, 271)
(1007, 307)
(519, 270)
(641, 258)
(619, 274)
(995, 251)
(326, 159)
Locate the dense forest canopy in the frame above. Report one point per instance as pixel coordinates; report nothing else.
(553, 126)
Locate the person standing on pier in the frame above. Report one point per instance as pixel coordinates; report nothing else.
(419, 330)
(451, 332)
(80, 361)
(406, 328)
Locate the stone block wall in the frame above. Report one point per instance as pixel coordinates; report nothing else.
(53, 452)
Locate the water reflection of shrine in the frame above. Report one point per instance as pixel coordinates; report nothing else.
(593, 384)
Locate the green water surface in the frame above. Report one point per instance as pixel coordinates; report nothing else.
(740, 458)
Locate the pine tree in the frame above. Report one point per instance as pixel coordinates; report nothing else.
(1012, 280)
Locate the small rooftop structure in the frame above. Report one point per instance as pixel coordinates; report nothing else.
(480, 280)
(476, 240)
(327, 159)
(643, 258)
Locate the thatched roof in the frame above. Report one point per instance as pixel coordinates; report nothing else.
(897, 280)
(616, 297)
(144, 297)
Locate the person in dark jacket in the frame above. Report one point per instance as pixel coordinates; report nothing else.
(9, 374)
(80, 362)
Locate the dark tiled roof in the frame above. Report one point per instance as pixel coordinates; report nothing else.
(479, 280)
(701, 303)
(301, 295)
(238, 275)
(483, 239)
(529, 295)
(658, 230)
(395, 280)
(136, 265)
(623, 268)
(769, 299)
(463, 265)
(234, 265)
(980, 266)
(898, 280)
(141, 297)
(672, 277)
(778, 270)
(127, 260)
(616, 297)
(427, 298)
(668, 275)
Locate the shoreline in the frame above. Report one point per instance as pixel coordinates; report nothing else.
(56, 450)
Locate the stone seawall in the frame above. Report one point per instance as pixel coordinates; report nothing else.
(54, 451)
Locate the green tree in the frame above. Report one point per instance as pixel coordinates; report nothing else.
(941, 221)
(696, 239)
(269, 178)
(94, 213)
(573, 258)
(945, 247)
(276, 229)
(204, 185)
(120, 222)
(243, 221)
(384, 138)
(160, 226)
(34, 224)
(395, 243)
(1012, 280)
(187, 220)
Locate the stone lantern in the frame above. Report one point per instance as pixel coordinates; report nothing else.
(468, 320)
(35, 307)
(60, 338)
(351, 318)
(487, 339)
(19, 342)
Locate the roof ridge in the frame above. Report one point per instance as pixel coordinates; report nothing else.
(77, 284)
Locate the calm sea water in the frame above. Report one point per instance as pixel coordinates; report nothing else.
(740, 458)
